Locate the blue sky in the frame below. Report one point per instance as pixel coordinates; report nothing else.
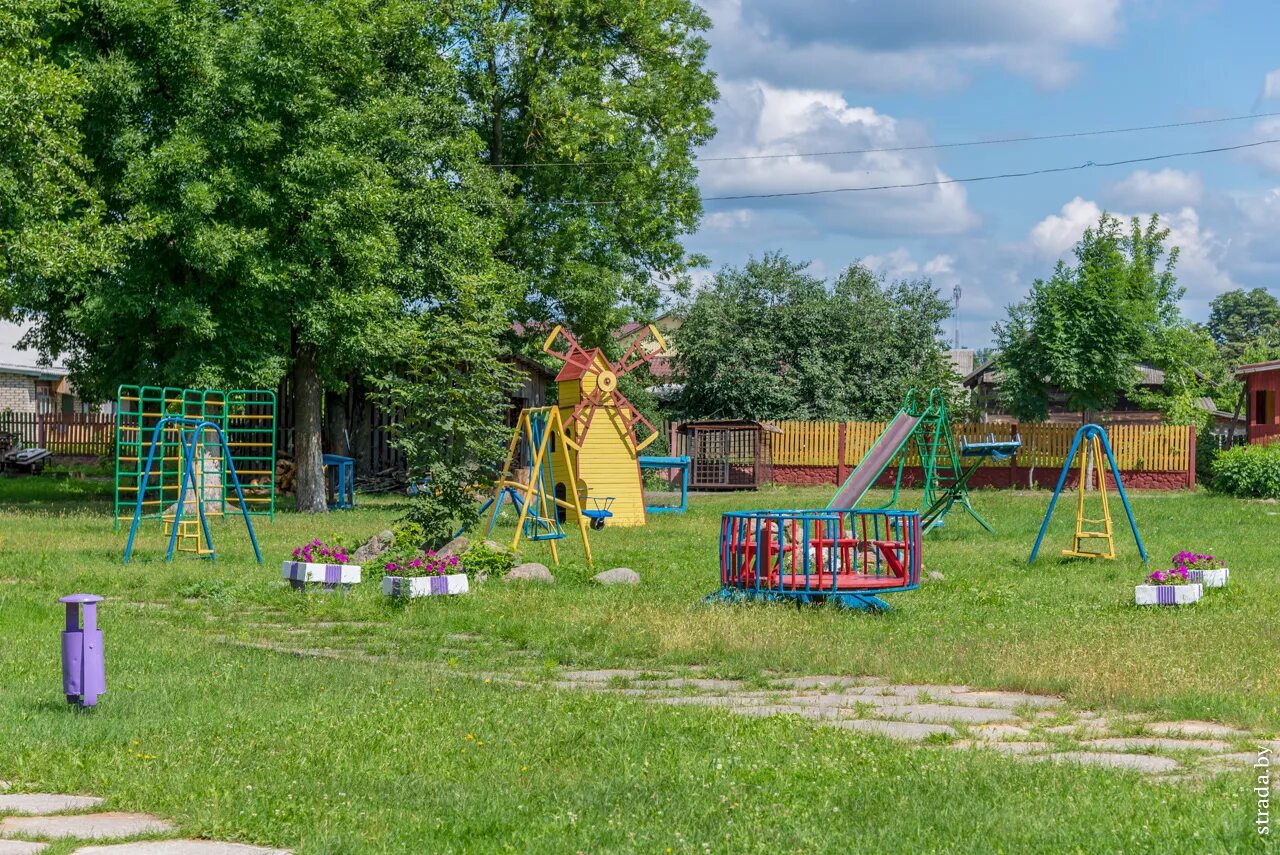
(841, 74)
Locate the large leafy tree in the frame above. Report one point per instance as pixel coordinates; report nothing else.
(300, 183)
(591, 110)
(1240, 320)
(1083, 329)
(770, 341)
(51, 219)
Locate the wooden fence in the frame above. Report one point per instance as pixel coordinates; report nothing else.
(1164, 448)
(63, 433)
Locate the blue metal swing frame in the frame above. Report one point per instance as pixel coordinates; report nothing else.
(1086, 433)
(190, 431)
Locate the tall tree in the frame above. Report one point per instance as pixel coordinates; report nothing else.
(1083, 329)
(592, 110)
(1240, 318)
(299, 178)
(769, 340)
(52, 225)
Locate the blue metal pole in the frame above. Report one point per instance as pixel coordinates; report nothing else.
(142, 488)
(244, 508)
(1062, 479)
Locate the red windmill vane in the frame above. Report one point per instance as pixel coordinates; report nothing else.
(601, 386)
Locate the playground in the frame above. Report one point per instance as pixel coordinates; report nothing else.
(520, 717)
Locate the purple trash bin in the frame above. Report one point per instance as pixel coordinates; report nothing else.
(84, 674)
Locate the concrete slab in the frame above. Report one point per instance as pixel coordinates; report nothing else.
(1148, 763)
(1195, 728)
(706, 685)
(904, 730)
(940, 712)
(21, 847)
(90, 826)
(1014, 747)
(1160, 743)
(1241, 760)
(999, 731)
(179, 847)
(604, 675)
(30, 803)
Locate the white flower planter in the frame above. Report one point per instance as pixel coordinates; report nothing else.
(1216, 578)
(300, 573)
(424, 586)
(1167, 595)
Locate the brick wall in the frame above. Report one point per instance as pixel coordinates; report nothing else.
(17, 393)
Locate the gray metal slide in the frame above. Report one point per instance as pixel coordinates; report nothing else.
(895, 436)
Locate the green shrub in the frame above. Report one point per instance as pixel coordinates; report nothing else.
(492, 562)
(1248, 471)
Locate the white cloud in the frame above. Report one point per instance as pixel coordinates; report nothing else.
(757, 118)
(1053, 237)
(1202, 267)
(1156, 191)
(1271, 85)
(929, 44)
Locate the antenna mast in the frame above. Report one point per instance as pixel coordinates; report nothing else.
(955, 316)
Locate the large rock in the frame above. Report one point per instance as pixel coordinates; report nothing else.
(373, 547)
(618, 576)
(531, 571)
(457, 546)
(494, 546)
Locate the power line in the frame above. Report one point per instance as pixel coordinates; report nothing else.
(1089, 164)
(926, 147)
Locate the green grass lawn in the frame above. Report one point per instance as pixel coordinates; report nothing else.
(388, 737)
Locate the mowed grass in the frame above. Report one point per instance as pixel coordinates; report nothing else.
(388, 736)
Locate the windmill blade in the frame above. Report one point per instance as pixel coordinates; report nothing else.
(572, 352)
(646, 346)
(582, 414)
(631, 416)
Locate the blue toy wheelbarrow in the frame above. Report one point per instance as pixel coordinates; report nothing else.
(599, 511)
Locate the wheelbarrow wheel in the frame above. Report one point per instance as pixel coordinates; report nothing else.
(597, 524)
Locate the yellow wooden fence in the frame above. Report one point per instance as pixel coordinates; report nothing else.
(1149, 447)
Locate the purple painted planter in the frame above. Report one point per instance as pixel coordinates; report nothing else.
(1215, 578)
(84, 672)
(330, 576)
(1167, 595)
(424, 586)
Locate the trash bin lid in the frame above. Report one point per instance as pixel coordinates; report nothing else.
(80, 598)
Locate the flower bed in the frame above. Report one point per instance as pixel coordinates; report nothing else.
(318, 563)
(423, 575)
(1203, 568)
(1170, 587)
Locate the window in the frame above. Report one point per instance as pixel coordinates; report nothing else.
(1264, 407)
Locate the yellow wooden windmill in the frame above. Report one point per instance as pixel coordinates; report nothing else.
(601, 424)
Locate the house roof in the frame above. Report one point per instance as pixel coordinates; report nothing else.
(1257, 367)
(1151, 376)
(45, 373)
(764, 426)
(531, 366)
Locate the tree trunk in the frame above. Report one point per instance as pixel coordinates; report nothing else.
(335, 424)
(308, 397)
(361, 429)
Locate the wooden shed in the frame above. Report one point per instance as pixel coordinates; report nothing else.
(727, 454)
(1261, 388)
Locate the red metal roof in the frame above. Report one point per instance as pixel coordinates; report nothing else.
(578, 364)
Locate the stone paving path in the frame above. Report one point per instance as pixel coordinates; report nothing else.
(1032, 728)
(48, 816)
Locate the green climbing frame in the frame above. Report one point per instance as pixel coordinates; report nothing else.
(247, 418)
